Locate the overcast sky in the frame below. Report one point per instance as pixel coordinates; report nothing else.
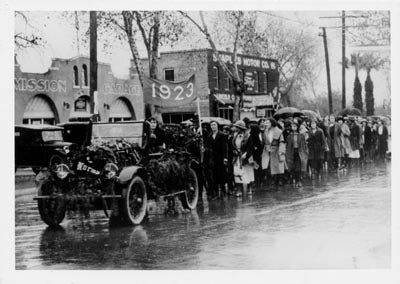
(60, 41)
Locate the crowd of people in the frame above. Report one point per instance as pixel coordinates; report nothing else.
(270, 153)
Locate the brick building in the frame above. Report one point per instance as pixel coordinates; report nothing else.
(215, 88)
(62, 94)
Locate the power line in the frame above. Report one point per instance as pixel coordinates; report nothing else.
(287, 19)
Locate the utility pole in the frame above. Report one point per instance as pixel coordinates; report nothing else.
(343, 59)
(93, 59)
(343, 27)
(328, 71)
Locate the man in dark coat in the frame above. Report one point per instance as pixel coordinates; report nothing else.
(383, 135)
(367, 139)
(216, 151)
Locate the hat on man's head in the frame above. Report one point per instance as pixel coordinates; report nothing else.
(240, 124)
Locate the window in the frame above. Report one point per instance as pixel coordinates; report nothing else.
(265, 82)
(85, 75)
(215, 77)
(256, 81)
(76, 79)
(227, 82)
(226, 112)
(169, 75)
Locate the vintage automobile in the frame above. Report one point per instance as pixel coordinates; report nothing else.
(94, 178)
(39, 146)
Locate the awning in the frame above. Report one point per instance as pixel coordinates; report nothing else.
(224, 101)
(120, 109)
(38, 107)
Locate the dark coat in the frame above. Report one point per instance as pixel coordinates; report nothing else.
(258, 147)
(383, 140)
(216, 149)
(303, 151)
(367, 138)
(355, 136)
(316, 144)
(215, 153)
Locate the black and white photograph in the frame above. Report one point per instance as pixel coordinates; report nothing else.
(202, 142)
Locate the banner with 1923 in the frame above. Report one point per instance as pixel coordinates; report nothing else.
(169, 94)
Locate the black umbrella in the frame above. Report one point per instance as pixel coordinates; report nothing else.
(286, 112)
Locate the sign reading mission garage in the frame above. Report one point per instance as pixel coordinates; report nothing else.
(41, 85)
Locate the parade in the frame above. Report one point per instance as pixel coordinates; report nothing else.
(172, 139)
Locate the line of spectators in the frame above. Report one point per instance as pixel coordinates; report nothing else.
(271, 153)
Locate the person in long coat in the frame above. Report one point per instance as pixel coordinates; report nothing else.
(296, 154)
(216, 148)
(316, 147)
(242, 158)
(367, 138)
(334, 143)
(355, 141)
(273, 156)
(344, 137)
(383, 135)
(256, 132)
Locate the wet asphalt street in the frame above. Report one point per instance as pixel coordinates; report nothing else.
(342, 221)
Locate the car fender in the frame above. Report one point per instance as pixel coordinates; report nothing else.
(129, 172)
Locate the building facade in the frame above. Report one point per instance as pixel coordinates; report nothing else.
(261, 77)
(62, 94)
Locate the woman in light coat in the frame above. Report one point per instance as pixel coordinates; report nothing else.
(273, 156)
(344, 138)
(335, 144)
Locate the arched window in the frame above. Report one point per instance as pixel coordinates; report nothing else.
(215, 77)
(76, 79)
(85, 75)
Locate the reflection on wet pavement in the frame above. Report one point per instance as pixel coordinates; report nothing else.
(342, 221)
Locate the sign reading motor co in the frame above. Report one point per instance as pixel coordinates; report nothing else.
(247, 61)
(41, 85)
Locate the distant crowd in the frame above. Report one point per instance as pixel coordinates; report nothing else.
(270, 153)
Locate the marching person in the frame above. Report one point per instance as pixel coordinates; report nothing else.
(242, 158)
(316, 148)
(355, 142)
(215, 145)
(335, 144)
(344, 138)
(258, 146)
(229, 178)
(296, 154)
(383, 135)
(273, 156)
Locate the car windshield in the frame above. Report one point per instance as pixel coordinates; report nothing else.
(52, 135)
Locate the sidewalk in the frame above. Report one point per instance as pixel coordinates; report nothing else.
(24, 178)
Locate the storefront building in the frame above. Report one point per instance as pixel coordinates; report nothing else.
(261, 77)
(62, 94)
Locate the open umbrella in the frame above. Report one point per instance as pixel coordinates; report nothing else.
(349, 111)
(310, 114)
(286, 112)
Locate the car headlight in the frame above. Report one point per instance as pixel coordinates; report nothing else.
(110, 170)
(62, 171)
(66, 149)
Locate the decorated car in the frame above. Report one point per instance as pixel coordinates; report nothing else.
(113, 174)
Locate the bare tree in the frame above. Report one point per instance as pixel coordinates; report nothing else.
(233, 23)
(24, 39)
(293, 47)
